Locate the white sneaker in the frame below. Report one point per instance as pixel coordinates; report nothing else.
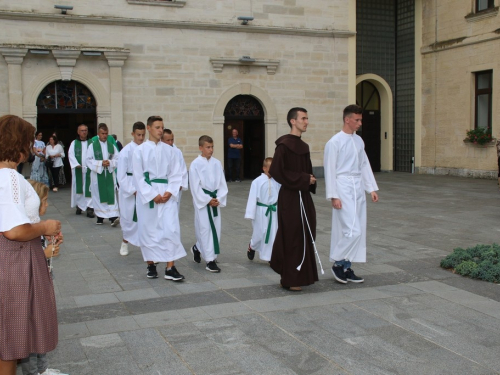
(124, 249)
(51, 371)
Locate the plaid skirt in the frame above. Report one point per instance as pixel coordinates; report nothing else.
(28, 316)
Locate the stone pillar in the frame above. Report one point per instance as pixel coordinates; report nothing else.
(271, 125)
(14, 58)
(218, 137)
(66, 61)
(115, 62)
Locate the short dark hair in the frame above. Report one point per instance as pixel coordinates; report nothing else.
(17, 138)
(139, 125)
(167, 131)
(37, 132)
(103, 126)
(82, 125)
(293, 113)
(350, 109)
(152, 119)
(54, 137)
(205, 139)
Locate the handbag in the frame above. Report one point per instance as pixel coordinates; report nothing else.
(49, 162)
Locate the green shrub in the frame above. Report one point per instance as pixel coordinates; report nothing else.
(478, 262)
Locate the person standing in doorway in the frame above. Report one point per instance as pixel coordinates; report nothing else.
(348, 176)
(234, 156)
(55, 153)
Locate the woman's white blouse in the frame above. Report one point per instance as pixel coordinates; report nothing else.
(14, 190)
(51, 151)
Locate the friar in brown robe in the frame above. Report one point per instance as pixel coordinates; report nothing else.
(292, 168)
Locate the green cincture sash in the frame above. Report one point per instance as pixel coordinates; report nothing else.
(158, 180)
(270, 209)
(79, 174)
(134, 219)
(105, 180)
(213, 194)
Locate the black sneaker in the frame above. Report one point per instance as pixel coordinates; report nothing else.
(212, 267)
(173, 274)
(339, 274)
(78, 211)
(250, 253)
(196, 254)
(100, 221)
(350, 276)
(152, 274)
(90, 213)
(114, 221)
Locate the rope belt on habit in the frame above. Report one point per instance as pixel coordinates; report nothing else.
(213, 194)
(157, 180)
(270, 208)
(134, 219)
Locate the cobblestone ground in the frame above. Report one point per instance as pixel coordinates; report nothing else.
(409, 317)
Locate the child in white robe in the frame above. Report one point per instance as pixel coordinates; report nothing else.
(168, 138)
(262, 210)
(102, 178)
(127, 190)
(209, 191)
(157, 177)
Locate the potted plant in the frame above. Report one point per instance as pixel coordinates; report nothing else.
(479, 136)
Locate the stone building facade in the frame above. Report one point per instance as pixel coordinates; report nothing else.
(182, 60)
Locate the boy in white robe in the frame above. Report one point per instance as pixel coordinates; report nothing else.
(157, 177)
(347, 176)
(127, 190)
(168, 138)
(209, 191)
(102, 159)
(80, 181)
(262, 210)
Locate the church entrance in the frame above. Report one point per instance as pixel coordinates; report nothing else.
(367, 96)
(245, 114)
(61, 107)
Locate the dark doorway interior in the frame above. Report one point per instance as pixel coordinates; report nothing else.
(245, 114)
(62, 107)
(367, 96)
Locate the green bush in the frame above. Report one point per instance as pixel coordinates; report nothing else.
(478, 262)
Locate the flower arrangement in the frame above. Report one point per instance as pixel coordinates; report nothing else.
(479, 136)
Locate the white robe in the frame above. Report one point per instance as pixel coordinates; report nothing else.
(185, 177)
(159, 229)
(264, 190)
(102, 210)
(347, 176)
(79, 200)
(126, 194)
(208, 175)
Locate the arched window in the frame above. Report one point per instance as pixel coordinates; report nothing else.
(244, 106)
(66, 97)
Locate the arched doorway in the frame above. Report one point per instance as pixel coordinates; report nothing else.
(61, 107)
(245, 114)
(367, 96)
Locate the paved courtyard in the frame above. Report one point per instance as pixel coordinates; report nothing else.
(409, 317)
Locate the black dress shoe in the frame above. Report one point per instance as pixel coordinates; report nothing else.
(90, 213)
(78, 211)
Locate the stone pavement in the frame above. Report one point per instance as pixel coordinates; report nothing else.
(409, 317)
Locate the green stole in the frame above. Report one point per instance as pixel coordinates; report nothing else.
(79, 174)
(270, 209)
(213, 194)
(105, 180)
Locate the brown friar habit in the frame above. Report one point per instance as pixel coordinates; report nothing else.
(292, 168)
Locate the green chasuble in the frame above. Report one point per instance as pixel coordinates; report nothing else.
(105, 180)
(79, 174)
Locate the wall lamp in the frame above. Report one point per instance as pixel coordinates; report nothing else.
(245, 19)
(246, 59)
(64, 8)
